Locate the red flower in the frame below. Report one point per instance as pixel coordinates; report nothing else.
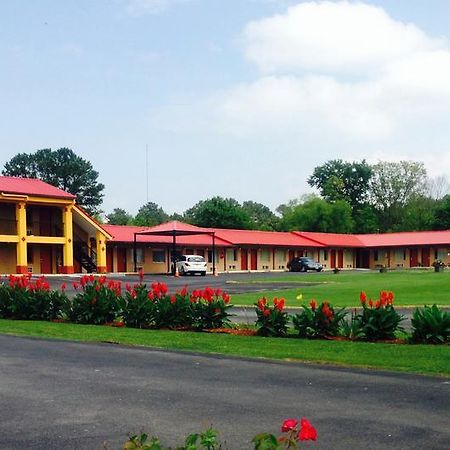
(313, 304)
(225, 297)
(163, 288)
(75, 285)
(133, 294)
(150, 295)
(173, 299)
(279, 303)
(262, 303)
(63, 286)
(128, 287)
(363, 298)
(307, 431)
(217, 292)
(371, 303)
(288, 425)
(266, 312)
(141, 275)
(184, 291)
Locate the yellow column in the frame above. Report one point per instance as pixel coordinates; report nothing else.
(68, 240)
(101, 253)
(21, 219)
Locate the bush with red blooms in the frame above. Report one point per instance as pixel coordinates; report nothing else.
(137, 309)
(210, 308)
(271, 320)
(318, 321)
(378, 319)
(23, 298)
(97, 301)
(293, 433)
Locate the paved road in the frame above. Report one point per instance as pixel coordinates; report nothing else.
(63, 395)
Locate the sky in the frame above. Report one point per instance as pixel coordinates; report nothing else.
(238, 98)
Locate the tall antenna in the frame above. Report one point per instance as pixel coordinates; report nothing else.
(146, 166)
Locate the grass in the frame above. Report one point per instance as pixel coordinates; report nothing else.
(423, 359)
(411, 288)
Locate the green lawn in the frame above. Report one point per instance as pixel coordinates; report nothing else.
(426, 359)
(410, 288)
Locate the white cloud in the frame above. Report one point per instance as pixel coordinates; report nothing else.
(332, 36)
(142, 7)
(339, 75)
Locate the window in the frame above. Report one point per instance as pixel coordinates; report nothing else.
(265, 255)
(30, 254)
(404, 255)
(325, 255)
(231, 255)
(159, 256)
(399, 254)
(139, 255)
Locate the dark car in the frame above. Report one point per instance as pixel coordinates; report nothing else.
(302, 264)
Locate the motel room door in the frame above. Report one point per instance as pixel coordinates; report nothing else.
(109, 259)
(340, 255)
(46, 258)
(426, 257)
(333, 258)
(121, 259)
(253, 259)
(413, 257)
(244, 259)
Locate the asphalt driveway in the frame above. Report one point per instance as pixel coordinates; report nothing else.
(64, 395)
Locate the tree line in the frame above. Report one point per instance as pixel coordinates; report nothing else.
(352, 197)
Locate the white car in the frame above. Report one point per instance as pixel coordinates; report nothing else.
(191, 264)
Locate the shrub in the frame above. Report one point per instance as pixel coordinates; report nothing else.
(430, 325)
(170, 311)
(322, 321)
(378, 320)
(209, 308)
(97, 303)
(271, 320)
(20, 298)
(292, 433)
(137, 307)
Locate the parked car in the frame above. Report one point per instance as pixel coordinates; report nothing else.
(302, 264)
(191, 264)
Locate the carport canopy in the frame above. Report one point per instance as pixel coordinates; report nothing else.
(175, 228)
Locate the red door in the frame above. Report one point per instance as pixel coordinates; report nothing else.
(426, 257)
(340, 254)
(332, 259)
(413, 257)
(109, 259)
(121, 259)
(291, 255)
(253, 259)
(46, 259)
(244, 259)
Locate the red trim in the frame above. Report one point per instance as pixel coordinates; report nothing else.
(22, 269)
(67, 269)
(102, 269)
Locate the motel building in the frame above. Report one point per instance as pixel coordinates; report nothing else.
(43, 230)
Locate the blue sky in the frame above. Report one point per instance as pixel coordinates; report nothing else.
(239, 98)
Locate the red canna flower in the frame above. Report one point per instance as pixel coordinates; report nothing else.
(63, 286)
(313, 304)
(141, 275)
(75, 285)
(307, 431)
(173, 299)
(266, 312)
(184, 291)
(363, 298)
(150, 295)
(133, 294)
(289, 425)
(163, 288)
(371, 303)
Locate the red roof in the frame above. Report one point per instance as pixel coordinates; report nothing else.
(31, 186)
(177, 227)
(424, 238)
(125, 234)
(272, 238)
(332, 239)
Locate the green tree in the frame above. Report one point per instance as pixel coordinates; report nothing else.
(261, 217)
(61, 168)
(342, 180)
(119, 217)
(150, 215)
(316, 214)
(218, 212)
(442, 214)
(392, 186)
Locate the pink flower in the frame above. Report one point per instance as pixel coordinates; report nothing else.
(307, 431)
(288, 425)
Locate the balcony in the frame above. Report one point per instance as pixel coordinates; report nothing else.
(45, 228)
(8, 227)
